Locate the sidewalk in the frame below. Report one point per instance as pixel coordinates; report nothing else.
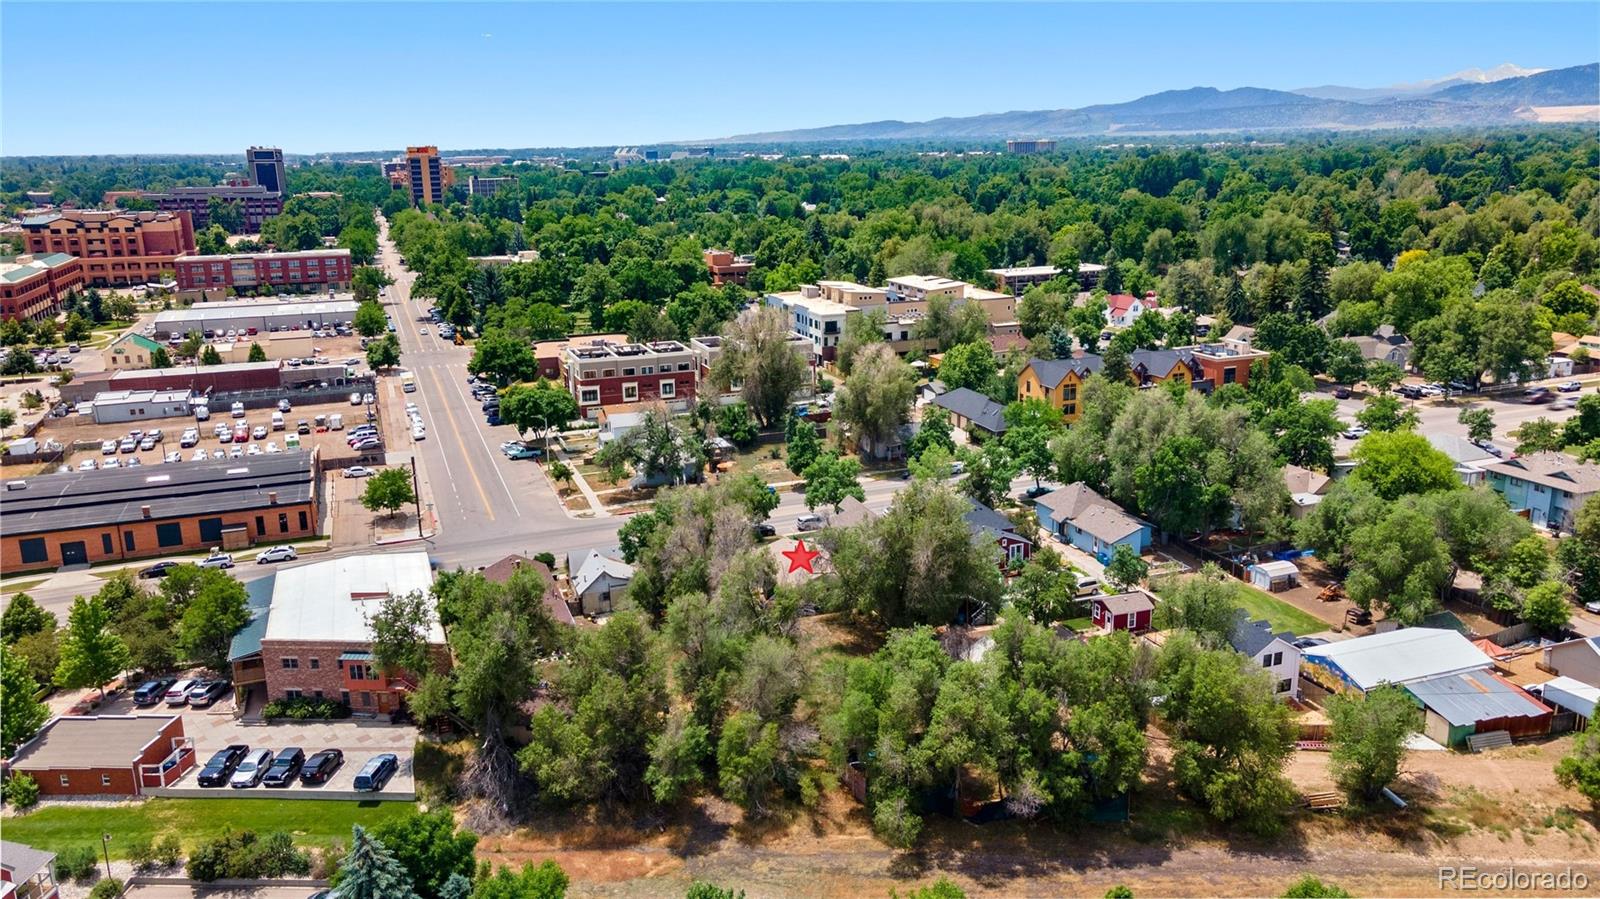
(596, 508)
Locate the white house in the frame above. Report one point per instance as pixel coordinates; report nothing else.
(1276, 653)
(598, 580)
(1122, 309)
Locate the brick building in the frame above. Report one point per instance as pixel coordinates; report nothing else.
(115, 248)
(103, 516)
(256, 203)
(34, 286)
(603, 374)
(427, 175)
(551, 354)
(297, 270)
(727, 268)
(316, 640)
(105, 755)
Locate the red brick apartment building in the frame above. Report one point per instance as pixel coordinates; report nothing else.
(603, 374)
(105, 755)
(727, 268)
(116, 248)
(315, 269)
(33, 287)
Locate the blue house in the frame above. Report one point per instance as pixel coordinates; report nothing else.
(1092, 523)
(1550, 486)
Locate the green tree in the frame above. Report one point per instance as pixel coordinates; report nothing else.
(1368, 736)
(541, 408)
(367, 281)
(758, 355)
(1400, 564)
(389, 490)
(1579, 554)
(400, 635)
(1384, 412)
(210, 356)
(1175, 492)
(934, 430)
(971, 365)
(77, 328)
(384, 352)
(1126, 569)
(91, 655)
(701, 889)
(430, 849)
(23, 617)
(802, 445)
(503, 358)
(1309, 887)
(1540, 435)
(735, 425)
(1580, 768)
(370, 871)
(547, 881)
(1400, 463)
(1479, 422)
(1043, 590)
(943, 888)
(875, 400)
(217, 612)
(989, 470)
(370, 319)
(21, 715)
(1204, 605)
(830, 479)
(257, 354)
(159, 358)
(1546, 609)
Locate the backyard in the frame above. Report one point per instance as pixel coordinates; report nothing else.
(1281, 615)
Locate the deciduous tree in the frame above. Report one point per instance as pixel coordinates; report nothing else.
(91, 655)
(1368, 736)
(389, 490)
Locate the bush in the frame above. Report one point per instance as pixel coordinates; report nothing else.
(142, 853)
(107, 888)
(244, 856)
(305, 708)
(22, 791)
(76, 863)
(169, 851)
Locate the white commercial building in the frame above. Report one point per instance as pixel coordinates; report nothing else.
(113, 406)
(263, 316)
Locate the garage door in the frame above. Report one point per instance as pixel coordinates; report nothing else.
(74, 553)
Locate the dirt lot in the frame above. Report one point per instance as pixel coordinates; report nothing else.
(81, 429)
(1492, 811)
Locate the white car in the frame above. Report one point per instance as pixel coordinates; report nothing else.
(128, 445)
(199, 455)
(368, 399)
(189, 438)
(173, 456)
(149, 442)
(218, 454)
(86, 465)
(108, 447)
(423, 331)
(133, 461)
(418, 432)
(217, 560)
(259, 432)
(1355, 433)
(253, 449)
(272, 447)
(276, 554)
(1431, 390)
(235, 452)
(359, 471)
(412, 408)
(355, 399)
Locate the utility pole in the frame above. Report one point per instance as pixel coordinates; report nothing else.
(416, 495)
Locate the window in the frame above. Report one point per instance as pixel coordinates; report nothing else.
(169, 534)
(1272, 659)
(33, 550)
(105, 780)
(627, 372)
(127, 541)
(669, 389)
(344, 696)
(261, 525)
(303, 522)
(315, 663)
(63, 780)
(291, 663)
(630, 392)
(588, 396)
(1230, 375)
(1283, 685)
(357, 672)
(211, 530)
(366, 698)
(316, 693)
(283, 522)
(291, 694)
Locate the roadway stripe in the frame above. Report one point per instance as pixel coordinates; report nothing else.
(471, 469)
(512, 497)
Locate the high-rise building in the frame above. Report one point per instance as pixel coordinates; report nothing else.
(264, 165)
(255, 203)
(427, 174)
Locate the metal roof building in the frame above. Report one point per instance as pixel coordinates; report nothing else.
(1397, 657)
(1456, 706)
(259, 315)
(335, 600)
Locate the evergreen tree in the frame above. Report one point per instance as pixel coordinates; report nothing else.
(369, 871)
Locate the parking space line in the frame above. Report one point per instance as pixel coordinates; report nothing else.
(471, 469)
(490, 453)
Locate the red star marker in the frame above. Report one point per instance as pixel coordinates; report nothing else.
(800, 557)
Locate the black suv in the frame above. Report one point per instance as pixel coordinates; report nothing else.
(159, 569)
(152, 691)
(284, 767)
(321, 766)
(217, 771)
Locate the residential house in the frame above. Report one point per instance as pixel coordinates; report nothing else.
(1551, 487)
(1457, 706)
(1123, 309)
(1274, 652)
(501, 572)
(1399, 656)
(985, 522)
(598, 580)
(105, 755)
(1468, 457)
(1578, 659)
(1384, 345)
(973, 412)
(1306, 488)
(851, 513)
(129, 352)
(1092, 523)
(1057, 381)
(1129, 611)
(26, 872)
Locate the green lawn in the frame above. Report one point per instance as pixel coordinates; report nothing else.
(311, 821)
(1283, 616)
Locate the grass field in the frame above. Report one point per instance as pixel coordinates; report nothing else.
(312, 822)
(1283, 616)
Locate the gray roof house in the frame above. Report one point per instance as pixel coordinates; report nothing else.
(971, 410)
(1384, 345)
(1274, 652)
(599, 581)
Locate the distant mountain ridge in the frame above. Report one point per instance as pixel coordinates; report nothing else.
(1418, 88)
(1496, 101)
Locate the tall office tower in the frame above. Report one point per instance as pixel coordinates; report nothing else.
(264, 165)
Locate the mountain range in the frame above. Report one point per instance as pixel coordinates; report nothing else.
(1499, 96)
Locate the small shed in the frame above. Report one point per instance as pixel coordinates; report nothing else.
(1274, 576)
(1124, 611)
(1457, 706)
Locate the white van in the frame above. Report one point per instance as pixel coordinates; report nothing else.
(336, 421)
(1087, 586)
(808, 522)
(277, 421)
(201, 413)
(238, 410)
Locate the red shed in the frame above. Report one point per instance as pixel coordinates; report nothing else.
(1124, 611)
(105, 755)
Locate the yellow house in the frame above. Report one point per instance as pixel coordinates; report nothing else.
(130, 352)
(1057, 382)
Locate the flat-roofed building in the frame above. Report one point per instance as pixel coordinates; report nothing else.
(1017, 279)
(105, 755)
(35, 286)
(116, 248)
(132, 513)
(255, 203)
(488, 185)
(262, 315)
(427, 175)
(296, 270)
(550, 354)
(1030, 147)
(265, 167)
(726, 268)
(604, 374)
(119, 406)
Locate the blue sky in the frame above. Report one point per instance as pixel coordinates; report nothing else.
(217, 77)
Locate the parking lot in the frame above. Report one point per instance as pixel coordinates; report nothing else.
(310, 425)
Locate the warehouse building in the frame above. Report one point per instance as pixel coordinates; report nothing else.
(206, 380)
(103, 516)
(116, 406)
(263, 316)
(105, 755)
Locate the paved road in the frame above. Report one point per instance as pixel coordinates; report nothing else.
(1439, 416)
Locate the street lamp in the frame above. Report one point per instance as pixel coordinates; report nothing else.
(105, 847)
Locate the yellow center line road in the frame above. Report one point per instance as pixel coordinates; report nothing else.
(471, 469)
(511, 497)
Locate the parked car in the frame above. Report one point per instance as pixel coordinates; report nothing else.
(376, 772)
(205, 693)
(109, 463)
(1569, 387)
(217, 559)
(808, 522)
(237, 410)
(418, 432)
(321, 766)
(359, 471)
(521, 451)
(276, 554)
(371, 443)
(302, 427)
(127, 445)
(178, 693)
(764, 530)
(1409, 391)
(1431, 390)
(149, 442)
(159, 569)
(152, 691)
(355, 399)
(1593, 607)
(251, 769)
(284, 767)
(259, 432)
(1355, 432)
(219, 769)
(190, 438)
(283, 405)
(108, 447)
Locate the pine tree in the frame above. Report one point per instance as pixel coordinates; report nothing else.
(369, 871)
